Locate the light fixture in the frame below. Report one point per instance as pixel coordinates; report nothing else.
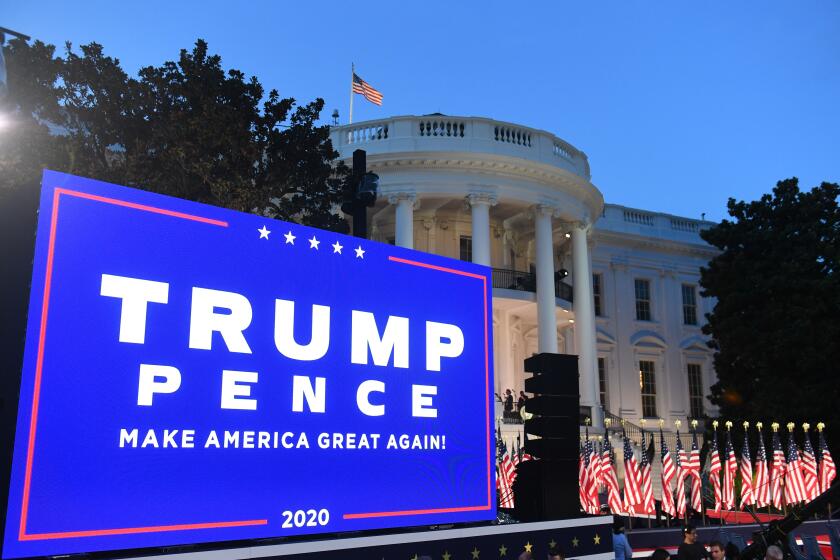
(568, 234)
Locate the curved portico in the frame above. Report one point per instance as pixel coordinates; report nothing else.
(514, 198)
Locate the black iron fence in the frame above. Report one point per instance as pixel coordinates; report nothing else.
(527, 282)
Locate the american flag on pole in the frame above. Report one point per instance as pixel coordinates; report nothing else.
(681, 460)
(809, 469)
(610, 478)
(747, 494)
(632, 484)
(583, 479)
(364, 88)
(506, 473)
(762, 480)
(594, 469)
(827, 469)
(777, 472)
(714, 470)
(729, 470)
(668, 473)
(593, 472)
(694, 471)
(794, 482)
(648, 506)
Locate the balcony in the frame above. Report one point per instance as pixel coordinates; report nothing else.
(442, 133)
(527, 282)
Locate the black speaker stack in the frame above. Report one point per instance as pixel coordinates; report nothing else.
(547, 486)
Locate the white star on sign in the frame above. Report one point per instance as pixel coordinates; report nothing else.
(337, 247)
(360, 253)
(313, 243)
(263, 233)
(290, 238)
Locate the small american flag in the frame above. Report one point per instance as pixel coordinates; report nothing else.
(762, 482)
(593, 473)
(583, 479)
(668, 473)
(827, 469)
(610, 478)
(809, 470)
(632, 485)
(507, 475)
(370, 93)
(777, 472)
(647, 488)
(747, 493)
(681, 460)
(714, 471)
(694, 471)
(794, 483)
(730, 468)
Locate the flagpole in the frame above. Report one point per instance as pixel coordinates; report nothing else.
(352, 75)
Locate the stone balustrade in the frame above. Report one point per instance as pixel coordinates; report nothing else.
(440, 133)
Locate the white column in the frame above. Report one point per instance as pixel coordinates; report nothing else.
(584, 307)
(480, 204)
(546, 304)
(404, 229)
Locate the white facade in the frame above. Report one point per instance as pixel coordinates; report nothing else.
(520, 200)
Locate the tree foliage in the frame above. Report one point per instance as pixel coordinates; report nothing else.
(187, 128)
(776, 325)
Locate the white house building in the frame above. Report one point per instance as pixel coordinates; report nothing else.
(615, 285)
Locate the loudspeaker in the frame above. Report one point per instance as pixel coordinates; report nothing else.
(558, 364)
(543, 491)
(547, 487)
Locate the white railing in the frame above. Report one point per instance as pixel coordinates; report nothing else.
(367, 132)
(451, 128)
(512, 135)
(474, 134)
(684, 225)
(635, 217)
(562, 150)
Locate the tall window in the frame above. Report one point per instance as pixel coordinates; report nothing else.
(602, 381)
(642, 299)
(596, 291)
(695, 390)
(647, 382)
(689, 296)
(466, 248)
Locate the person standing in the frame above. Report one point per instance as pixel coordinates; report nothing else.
(508, 403)
(620, 545)
(690, 549)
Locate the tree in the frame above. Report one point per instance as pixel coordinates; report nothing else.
(776, 325)
(187, 128)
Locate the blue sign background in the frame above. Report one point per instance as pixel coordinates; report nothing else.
(73, 489)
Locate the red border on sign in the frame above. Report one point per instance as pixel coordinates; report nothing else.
(36, 392)
(486, 404)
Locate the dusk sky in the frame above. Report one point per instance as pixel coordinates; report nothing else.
(678, 106)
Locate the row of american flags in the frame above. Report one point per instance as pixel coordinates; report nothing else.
(787, 478)
(506, 461)
(791, 475)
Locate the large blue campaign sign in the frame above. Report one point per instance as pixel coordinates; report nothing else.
(194, 374)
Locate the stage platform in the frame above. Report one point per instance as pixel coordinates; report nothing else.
(588, 538)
